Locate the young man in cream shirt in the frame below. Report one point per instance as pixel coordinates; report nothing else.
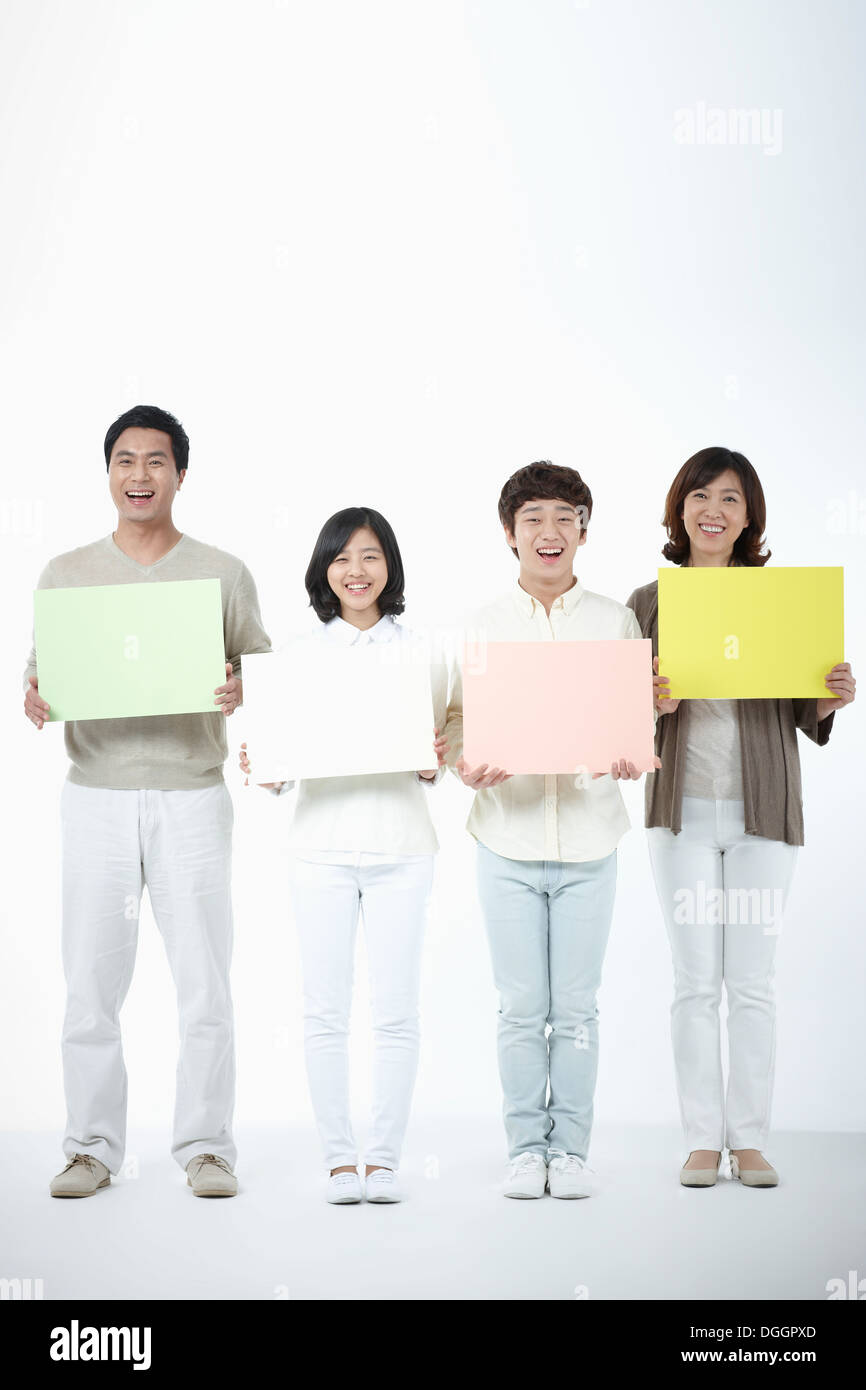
(145, 802)
(546, 854)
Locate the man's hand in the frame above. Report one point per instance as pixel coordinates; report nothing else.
(843, 685)
(34, 706)
(244, 762)
(230, 694)
(440, 748)
(480, 777)
(625, 770)
(663, 704)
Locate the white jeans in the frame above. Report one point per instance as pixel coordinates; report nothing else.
(393, 898)
(179, 844)
(722, 893)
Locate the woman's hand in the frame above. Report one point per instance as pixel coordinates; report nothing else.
(480, 777)
(245, 768)
(230, 694)
(627, 771)
(663, 704)
(440, 748)
(843, 685)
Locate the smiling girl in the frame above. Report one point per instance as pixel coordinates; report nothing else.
(362, 843)
(725, 818)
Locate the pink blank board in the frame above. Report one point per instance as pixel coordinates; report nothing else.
(557, 707)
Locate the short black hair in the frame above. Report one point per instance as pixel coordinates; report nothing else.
(333, 538)
(544, 479)
(150, 417)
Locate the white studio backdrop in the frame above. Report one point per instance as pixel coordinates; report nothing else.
(386, 254)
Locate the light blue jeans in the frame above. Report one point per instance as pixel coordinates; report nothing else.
(547, 924)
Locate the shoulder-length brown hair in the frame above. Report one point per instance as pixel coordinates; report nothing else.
(696, 472)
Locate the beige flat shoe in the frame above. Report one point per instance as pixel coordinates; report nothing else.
(210, 1176)
(754, 1177)
(700, 1177)
(82, 1176)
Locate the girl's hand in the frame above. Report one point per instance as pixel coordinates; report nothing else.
(663, 704)
(245, 767)
(480, 777)
(440, 748)
(843, 685)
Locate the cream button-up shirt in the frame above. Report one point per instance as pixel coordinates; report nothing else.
(383, 817)
(545, 817)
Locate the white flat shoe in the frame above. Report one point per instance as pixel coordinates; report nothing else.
(344, 1188)
(754, 1177)
(568, 1176)
(526, 1177)
(382, 1186)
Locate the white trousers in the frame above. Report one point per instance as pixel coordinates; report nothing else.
(326, 900)
(722, 893)
(178, 843)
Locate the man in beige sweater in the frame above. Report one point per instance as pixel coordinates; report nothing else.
(145, 803)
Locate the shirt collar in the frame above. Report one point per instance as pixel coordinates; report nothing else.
(338, 630)
(566, 603)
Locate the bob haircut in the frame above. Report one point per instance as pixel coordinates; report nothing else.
(333, 538)
(544, 480)
(702, 468)
(150, 417)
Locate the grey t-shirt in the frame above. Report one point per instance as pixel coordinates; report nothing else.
(169, 752)
(713, 757)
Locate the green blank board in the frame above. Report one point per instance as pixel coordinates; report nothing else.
(119, 651)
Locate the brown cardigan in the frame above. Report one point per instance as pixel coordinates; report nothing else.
(772, 794)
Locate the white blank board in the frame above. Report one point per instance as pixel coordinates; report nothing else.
(315, 709)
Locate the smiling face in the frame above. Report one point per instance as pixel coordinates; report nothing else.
(714, 517)
(142, 476)
(546, 536)
(358, 574)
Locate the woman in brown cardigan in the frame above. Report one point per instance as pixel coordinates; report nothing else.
(725, 818)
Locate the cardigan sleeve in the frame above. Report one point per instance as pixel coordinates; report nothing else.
(806, 720)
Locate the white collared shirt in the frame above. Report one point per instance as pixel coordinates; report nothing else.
(348, 820)
(545, 817)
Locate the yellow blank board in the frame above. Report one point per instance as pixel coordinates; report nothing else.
(749, 633)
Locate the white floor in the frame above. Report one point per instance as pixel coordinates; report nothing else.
(455, 1237)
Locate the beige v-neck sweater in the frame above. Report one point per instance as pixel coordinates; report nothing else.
(181, 752)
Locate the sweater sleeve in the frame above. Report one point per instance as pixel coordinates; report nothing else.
(244, 633)
(806, 720)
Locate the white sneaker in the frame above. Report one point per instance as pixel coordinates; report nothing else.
(344, 1188)
(526, 1177)
(382, 1186)
(568, 1176)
